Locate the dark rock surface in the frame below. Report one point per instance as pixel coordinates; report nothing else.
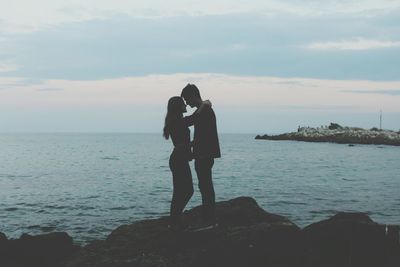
(3, 237)
(3, 243)
(41, 250)
(246, 236)
(350, 239)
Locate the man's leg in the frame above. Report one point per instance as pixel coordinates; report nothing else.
(203, 168)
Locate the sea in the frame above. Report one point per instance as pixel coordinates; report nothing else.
(87, 184)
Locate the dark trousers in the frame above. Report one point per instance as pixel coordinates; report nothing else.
(203, 168)
(182, 182)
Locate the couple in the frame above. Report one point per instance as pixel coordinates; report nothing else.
(203, 149)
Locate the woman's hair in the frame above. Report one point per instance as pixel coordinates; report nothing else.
(174, 112)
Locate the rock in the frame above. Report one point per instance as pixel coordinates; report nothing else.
(3, 244)
(3, 238)
(246, 236)
(334, 126)
(41, 250)
(348, 239)
(393, 234)
(338, 134)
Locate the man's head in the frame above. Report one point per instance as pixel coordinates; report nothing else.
(191, 95)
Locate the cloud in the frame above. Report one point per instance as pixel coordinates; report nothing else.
(100, 54)
(242, 103)
(354, 44)
(7, 83)
(264, 92)
(7, 67)
(49, 89)
(28, 16)
(322, 107)
(124, 46)
(379, 92)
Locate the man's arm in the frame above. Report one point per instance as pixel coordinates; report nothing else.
(204, 105)
(190, 120)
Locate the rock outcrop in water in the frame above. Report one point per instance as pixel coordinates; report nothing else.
(335, 133)
(247, 236)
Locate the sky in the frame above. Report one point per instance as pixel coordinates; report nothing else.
(266, 66)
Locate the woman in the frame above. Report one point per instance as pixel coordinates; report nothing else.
(177, 127)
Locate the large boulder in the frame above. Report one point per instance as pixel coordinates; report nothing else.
(350, 239)
(3, 244)
(246, 236)
(3, 237)
(41, 250)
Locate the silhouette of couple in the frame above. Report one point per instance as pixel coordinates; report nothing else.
(203, 149)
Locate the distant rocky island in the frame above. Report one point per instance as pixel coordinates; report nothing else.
(335, 133)
(247, 236)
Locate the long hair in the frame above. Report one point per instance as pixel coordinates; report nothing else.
(174, 112)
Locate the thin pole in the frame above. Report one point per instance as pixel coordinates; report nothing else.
(380, 120)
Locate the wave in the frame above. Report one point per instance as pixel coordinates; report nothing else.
(110, 158)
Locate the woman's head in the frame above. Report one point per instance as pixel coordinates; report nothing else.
(176, 105)
(176, 108)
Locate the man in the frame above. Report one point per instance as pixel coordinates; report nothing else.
(205, 150)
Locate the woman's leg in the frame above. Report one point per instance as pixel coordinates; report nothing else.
(187, 184)
(174, 210)
(182, 186)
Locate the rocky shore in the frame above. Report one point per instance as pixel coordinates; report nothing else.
(247, 236)
(334, 133)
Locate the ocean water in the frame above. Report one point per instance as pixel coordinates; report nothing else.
(89, 184)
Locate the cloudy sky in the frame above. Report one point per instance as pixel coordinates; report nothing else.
(267, 66)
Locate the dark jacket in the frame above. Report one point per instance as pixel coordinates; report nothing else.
(205, 141)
